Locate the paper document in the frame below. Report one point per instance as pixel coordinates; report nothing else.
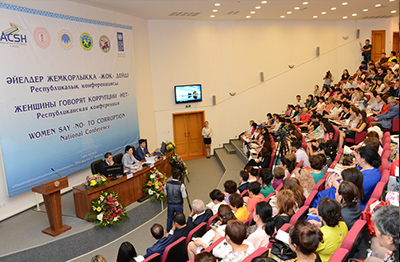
(150, 160)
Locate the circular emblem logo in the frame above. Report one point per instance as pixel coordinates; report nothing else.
(65, 39)
(104, 43)
(42, 37)
(86, 41)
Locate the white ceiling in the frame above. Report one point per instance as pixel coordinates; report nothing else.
(239, 9)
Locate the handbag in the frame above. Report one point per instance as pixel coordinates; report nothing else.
(281, 251)
(369, 211)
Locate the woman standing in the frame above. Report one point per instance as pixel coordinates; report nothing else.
(207, 134)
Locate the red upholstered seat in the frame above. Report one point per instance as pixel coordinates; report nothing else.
(354, 236)
(377, 193)
(395, 125)
(338, 155)
(156, 257)
(339, 255)
(211, 247)
(198, 231)
(302, 212)
(244, 192)
(211, 220)
(175, 252)
(310, 198)
(260, 251)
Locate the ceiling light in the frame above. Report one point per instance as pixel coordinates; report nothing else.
(296, 8)
(263, 2)
(354, 14)
(212, 15)
(323, 13)
(217, 4)
(365, 10)
(391, 0)
(282, 16)
(215, 10)
(258, 7)
(345, 3)
(333, 8)
(344, 17)
(305, 3)
(315, 16)
(248, 16)
(289, 13)
(252, 12)
(394, 11)
(378, 5)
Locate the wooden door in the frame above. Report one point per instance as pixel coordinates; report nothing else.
(378, 44)
(395, 42)
(187, 134)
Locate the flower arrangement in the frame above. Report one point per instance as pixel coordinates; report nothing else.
(154, 187)
(106, 210)
(170, 146)
(95, 181)
(178, 165)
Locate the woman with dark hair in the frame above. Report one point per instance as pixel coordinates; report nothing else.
(217, 199)
(362, 125)
(345, 75)
(304, 240)
(263, 159)
(310, 101)
(368, 161)
(205, 257)
(329, 131)
(293, 184)
(127, 253)
(254, 196)
(256, 234)
(265, 178)
(334, 229)
(347, 195)
(286, 205)
(287, 165)
(128, 159)
(386, 224)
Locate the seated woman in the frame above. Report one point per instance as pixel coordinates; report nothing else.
(127, 253)
(306, 180)
(254, 196)
(309, 101)
(262, 160)
(304, 239)
(286, 206)
(235, 236)
(317, 163)
(386, 224)
(347, 195)
(287, 165)
(236, 203)
(334, 229)
(265, 178)
(361, 126)
(256, 233)
(128, 160)
(293, 184)
(217, 231)
(217, 199)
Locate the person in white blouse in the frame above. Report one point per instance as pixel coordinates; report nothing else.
(207, 134)
(128, 160)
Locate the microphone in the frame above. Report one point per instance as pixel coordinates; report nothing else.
(52, 169)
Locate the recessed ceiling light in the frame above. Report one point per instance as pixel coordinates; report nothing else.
(296, 8)
(258, 7)
(344, 17)
(212, 15)
(365, 10)
(378, 5)
(354, 14)
(323, 13)
(305, 3)
(289, 13)
(263, 2)
(252, 12)
(215, 10)
(394, 11)
(392, 0)
(333, 8)
(217, 4)
(282, 16)
(248, 16)
(345, 3)
(315, 16)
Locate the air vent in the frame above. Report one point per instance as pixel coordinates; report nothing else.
(184, 14)
(304, 8)
(233, 12)
(377, 17)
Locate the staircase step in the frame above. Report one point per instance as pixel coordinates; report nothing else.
(237, 143)
(230, 148)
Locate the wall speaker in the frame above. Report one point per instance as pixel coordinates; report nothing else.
(214, 100)
(317, 51)
(262, 76)
(358, 33)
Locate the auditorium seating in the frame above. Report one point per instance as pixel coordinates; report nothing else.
(213, 245)
(395, 125)
(156, 257)
(260, 251)
(300, 214)
(175, 252)
(198, 231)
(244, 192)
(320, 185)
(210, 220)
(354, 236)
(310, 198)
(340, 255)
(95, 166)
(378, 191)
(338, 155)
(118, 158)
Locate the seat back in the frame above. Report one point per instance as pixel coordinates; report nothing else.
(211, 220)
(299, 165)
(320, 185)
(118, 158)
(198, 231)
(338, 155)
(336, 135)
(339, 255)
(301, 213)
(354, 236)
(258, 252)
(385, 176)
(395, 125)
(95, 166)
(244, 192)
(360, 136)
(156, 257)
(311, 197)
(175, 252)
(213, 245)
(269, 197)
(378, 191)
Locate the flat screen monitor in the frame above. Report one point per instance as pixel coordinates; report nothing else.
(188, 93)
(162, 149)
(114, 170)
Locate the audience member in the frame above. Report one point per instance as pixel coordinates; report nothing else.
(243, 183)
(230, 187)
(217, 199)
(205, 257)
(317, 162)
(157, 231)
(236, 203)
(179, 227)
(127, 253)
(199, 213)
(279, 175)
(300, 153)
(306, 180)
(254, 196)
(98, 258)
(386, 119)
(257, 235)
(265, 179)
(347, 195)
(293, 184)
(286, 205)
(304, 239)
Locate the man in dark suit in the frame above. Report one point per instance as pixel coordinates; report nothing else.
(108, 161)
(141, 150)
(200, 213)
(179, 227)
(157, 231)
(244, 184)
